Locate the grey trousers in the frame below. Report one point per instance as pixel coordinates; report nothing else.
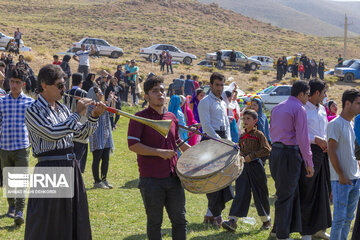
(84, 70)
(16, 158)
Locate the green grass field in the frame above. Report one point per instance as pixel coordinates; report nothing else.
(119, 213)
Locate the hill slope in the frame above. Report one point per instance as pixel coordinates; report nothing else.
(50, 26)
(320, 18)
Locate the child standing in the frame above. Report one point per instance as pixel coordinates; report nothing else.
(253, 146)
(301, 70)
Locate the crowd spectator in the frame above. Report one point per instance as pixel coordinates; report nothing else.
(56, 60)
(17, 37)
(189, 86)
(340, 61)
(132, 74)
(233, 59)
(279, 69)
(31, 81)
(67, 70)
(295, 70)
(196, 82)
(101, 143)
(331, 110)
(179, 85)
(162, 61)
(113, 95)
(313, 67)
(12, 47)
(82, 57)
(89, 82)
(285, 65)
(321, 69)
(103, 80)
(169, 62)
(301, 70)
(218, 59)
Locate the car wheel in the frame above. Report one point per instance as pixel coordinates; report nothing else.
(115, 55)
(152, 58)
(187, 60)
(349, 77)
(289, 68)
(253, 66)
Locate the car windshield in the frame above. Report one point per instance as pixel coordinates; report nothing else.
(348, 63)
(355, 65)
(267, 90)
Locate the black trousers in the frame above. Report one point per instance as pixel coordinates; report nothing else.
(314, 192)
(252, 179)
(285, 166)
(81, 150)
(59, 218)
(158, 193)
(356, 231)
(279, 74)
(102, 155)
(217, 200)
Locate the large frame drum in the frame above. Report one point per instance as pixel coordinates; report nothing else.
(209, 166)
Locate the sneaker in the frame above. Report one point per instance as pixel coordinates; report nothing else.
(100, 185)
(11, 212)
(19, 218)
(107, 184)
(229, 225)
(266, 225)
(322, 234)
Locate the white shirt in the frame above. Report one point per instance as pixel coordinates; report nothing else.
(213, 116)
(316, 120)
(83, 57)
(342, 131)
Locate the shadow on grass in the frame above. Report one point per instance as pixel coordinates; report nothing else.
(10, 228)
(164, 232)
(228, 235)
(131, 184)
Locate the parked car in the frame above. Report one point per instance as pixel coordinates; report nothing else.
(5, 41)
(275, 96)
(266, 62)
(105, 49)
(153, 52)
(349, 71)
(241, 59)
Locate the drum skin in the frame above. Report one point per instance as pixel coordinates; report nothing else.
(209, 166)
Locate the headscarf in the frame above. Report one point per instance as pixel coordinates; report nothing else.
(195, 103)
(330, 115)
(262, 123)
(174, 107)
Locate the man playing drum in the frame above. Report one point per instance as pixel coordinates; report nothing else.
(157, 158)
(215, 123)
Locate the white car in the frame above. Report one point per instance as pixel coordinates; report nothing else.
(153, 52)
(276, 95)
(5, 40)
(105, 49)
(267, 63)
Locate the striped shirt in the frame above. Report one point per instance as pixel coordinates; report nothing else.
(54, 130)
(14, 134)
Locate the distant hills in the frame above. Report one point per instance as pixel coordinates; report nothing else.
(315, 17)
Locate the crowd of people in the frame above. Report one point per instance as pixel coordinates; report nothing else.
(311, 150)
(305, 68)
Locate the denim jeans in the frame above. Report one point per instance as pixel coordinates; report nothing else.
(158, 193)
(345, 198)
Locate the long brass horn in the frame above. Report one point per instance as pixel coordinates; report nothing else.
(161, 126)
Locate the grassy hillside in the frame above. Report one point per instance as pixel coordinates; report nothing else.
(319, 18)
(50, 26)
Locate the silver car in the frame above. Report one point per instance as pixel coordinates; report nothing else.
(153, 52)
(241, 60)
(5, 40)
(104, 48)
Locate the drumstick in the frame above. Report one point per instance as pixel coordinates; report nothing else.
(207, 136)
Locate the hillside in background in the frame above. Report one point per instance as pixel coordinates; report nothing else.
(319, 18)
(51, 26)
